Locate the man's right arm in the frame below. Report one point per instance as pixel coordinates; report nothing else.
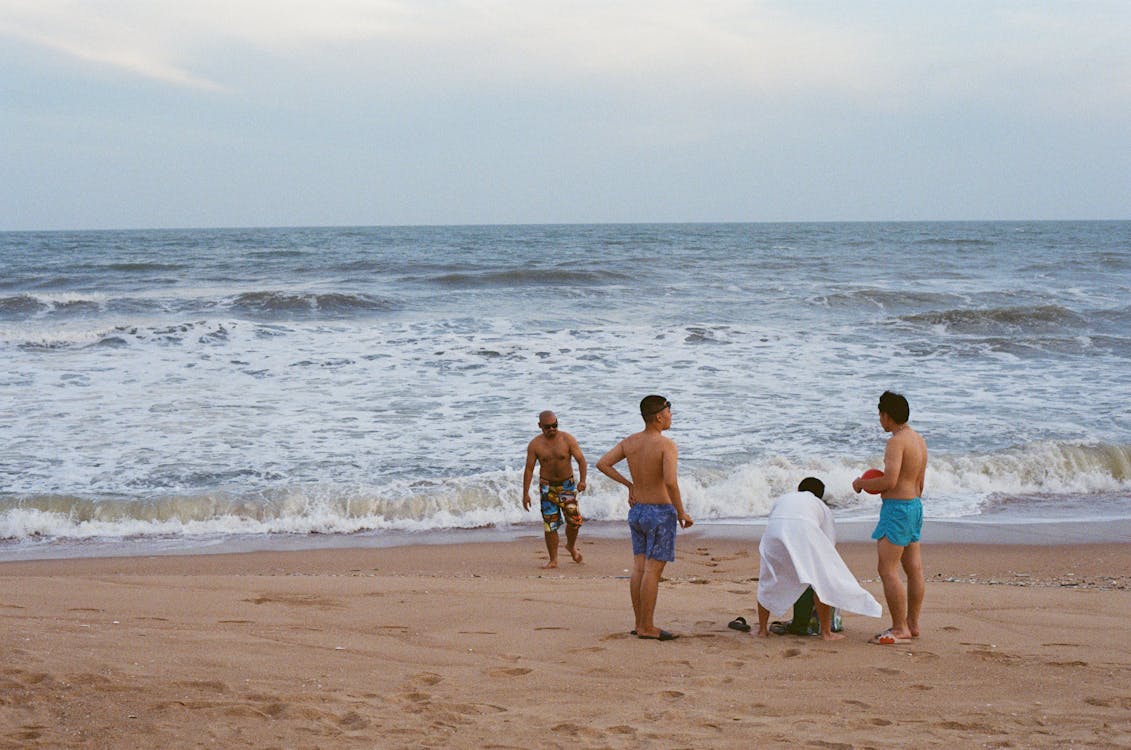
(527, 475)
(607, 463)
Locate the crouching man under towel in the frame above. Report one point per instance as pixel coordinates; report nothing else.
(798, 551)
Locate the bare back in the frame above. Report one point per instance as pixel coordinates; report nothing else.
(905, 457)
(652, 462)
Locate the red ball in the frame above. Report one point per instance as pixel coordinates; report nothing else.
(872, 474)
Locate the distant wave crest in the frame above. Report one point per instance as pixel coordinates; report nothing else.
(273, 304)
(529, 277)
(1050, 318)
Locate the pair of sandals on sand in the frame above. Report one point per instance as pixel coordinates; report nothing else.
(886, 638)
(776, 627)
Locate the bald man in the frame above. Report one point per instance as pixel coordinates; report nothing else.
(554, 451)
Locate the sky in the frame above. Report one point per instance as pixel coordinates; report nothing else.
(232, 113)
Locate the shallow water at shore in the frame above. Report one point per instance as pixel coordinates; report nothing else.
(951, 531)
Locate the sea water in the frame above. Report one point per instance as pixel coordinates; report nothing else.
(198, 384)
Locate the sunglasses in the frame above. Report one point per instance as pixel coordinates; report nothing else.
(553, 426)
(667, 405)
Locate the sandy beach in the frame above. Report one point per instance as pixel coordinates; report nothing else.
(474, 646)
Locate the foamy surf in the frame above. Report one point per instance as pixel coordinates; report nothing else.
(1089, 480)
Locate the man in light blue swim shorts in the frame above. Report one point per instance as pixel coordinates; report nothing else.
(901, 519)
(655, 508)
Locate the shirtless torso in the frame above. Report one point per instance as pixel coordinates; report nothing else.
(554, 456)
(905, 459)
(653, 461)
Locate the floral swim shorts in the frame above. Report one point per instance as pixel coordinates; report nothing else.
(558, 501)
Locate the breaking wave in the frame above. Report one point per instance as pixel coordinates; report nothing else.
(957, 486)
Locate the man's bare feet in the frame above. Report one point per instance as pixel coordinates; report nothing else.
(832, 636)
(551, 564)
(762, 633)
(577, 557)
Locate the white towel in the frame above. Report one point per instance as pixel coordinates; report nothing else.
(798, 550)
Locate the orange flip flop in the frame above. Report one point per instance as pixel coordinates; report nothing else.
(887, 638)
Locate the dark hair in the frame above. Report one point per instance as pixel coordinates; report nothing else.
(814, 485)
(652, 405)
(895, 406)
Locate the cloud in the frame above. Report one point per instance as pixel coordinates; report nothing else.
(89, 32)
(887, 53)
(709, 45)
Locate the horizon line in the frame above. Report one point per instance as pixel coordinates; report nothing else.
(454, 225)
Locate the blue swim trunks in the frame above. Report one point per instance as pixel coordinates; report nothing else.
(900, 521)
(653, 530)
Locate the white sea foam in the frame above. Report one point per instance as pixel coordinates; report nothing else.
(957, 486)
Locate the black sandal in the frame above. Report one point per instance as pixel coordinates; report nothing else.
(739, 623)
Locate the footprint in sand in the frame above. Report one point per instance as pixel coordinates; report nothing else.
(551, 627)
(923, 655)
(587, 650)
(214, 686)
(296, 600)
(950, 629)
(791, 652)
(509, 671)
(353, 721)
(968, 727)
(921, 687)
(861, 704)
(997, 656)
(672, 694)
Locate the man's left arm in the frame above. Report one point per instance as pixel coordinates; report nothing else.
(582, 467)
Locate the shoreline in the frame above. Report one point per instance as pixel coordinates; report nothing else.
(464, 645)
(973, 530)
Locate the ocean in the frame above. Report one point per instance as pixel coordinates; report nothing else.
(186, 387)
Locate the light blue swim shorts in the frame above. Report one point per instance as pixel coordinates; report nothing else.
(900, 521)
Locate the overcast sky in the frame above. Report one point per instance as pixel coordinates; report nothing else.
(195, 113)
